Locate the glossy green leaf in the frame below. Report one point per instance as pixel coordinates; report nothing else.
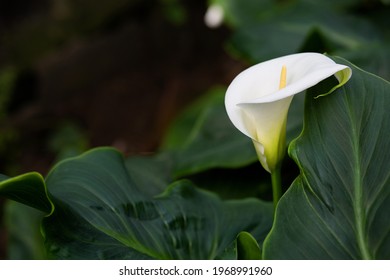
(28, 189)
(247, 247)
(102, 212)
(338, 207)
(161, 165)
(253, 180)
(69, 236)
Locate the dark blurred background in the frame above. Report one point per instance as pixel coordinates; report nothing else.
(76, 74)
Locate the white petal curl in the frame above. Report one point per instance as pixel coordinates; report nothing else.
(258, 108)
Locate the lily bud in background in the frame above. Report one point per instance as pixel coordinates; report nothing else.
(214, 16)
(258, 99)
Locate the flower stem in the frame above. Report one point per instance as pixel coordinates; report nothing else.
(276, 185)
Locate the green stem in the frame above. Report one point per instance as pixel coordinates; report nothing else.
(276, 185)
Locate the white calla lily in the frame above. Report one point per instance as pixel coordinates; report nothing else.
(258, 99)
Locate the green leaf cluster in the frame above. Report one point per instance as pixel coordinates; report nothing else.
(95, 210)
(176, 204)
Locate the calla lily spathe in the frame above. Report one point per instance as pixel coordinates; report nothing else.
(258, 99)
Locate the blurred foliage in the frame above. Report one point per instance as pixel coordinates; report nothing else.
(203, 137)
(25, 240)
(354, 29)
(174, 11)
(68, 140)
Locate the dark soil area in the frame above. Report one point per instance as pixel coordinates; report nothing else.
(120, 84)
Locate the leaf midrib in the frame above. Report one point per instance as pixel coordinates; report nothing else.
(358, 203)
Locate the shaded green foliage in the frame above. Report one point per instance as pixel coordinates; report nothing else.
(99, 212)
(355, 30)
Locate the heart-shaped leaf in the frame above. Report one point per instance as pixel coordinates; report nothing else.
(338, 207)
(101, 212)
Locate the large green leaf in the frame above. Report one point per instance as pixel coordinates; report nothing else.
(161, 165)
(339, 205)
(101, 212)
